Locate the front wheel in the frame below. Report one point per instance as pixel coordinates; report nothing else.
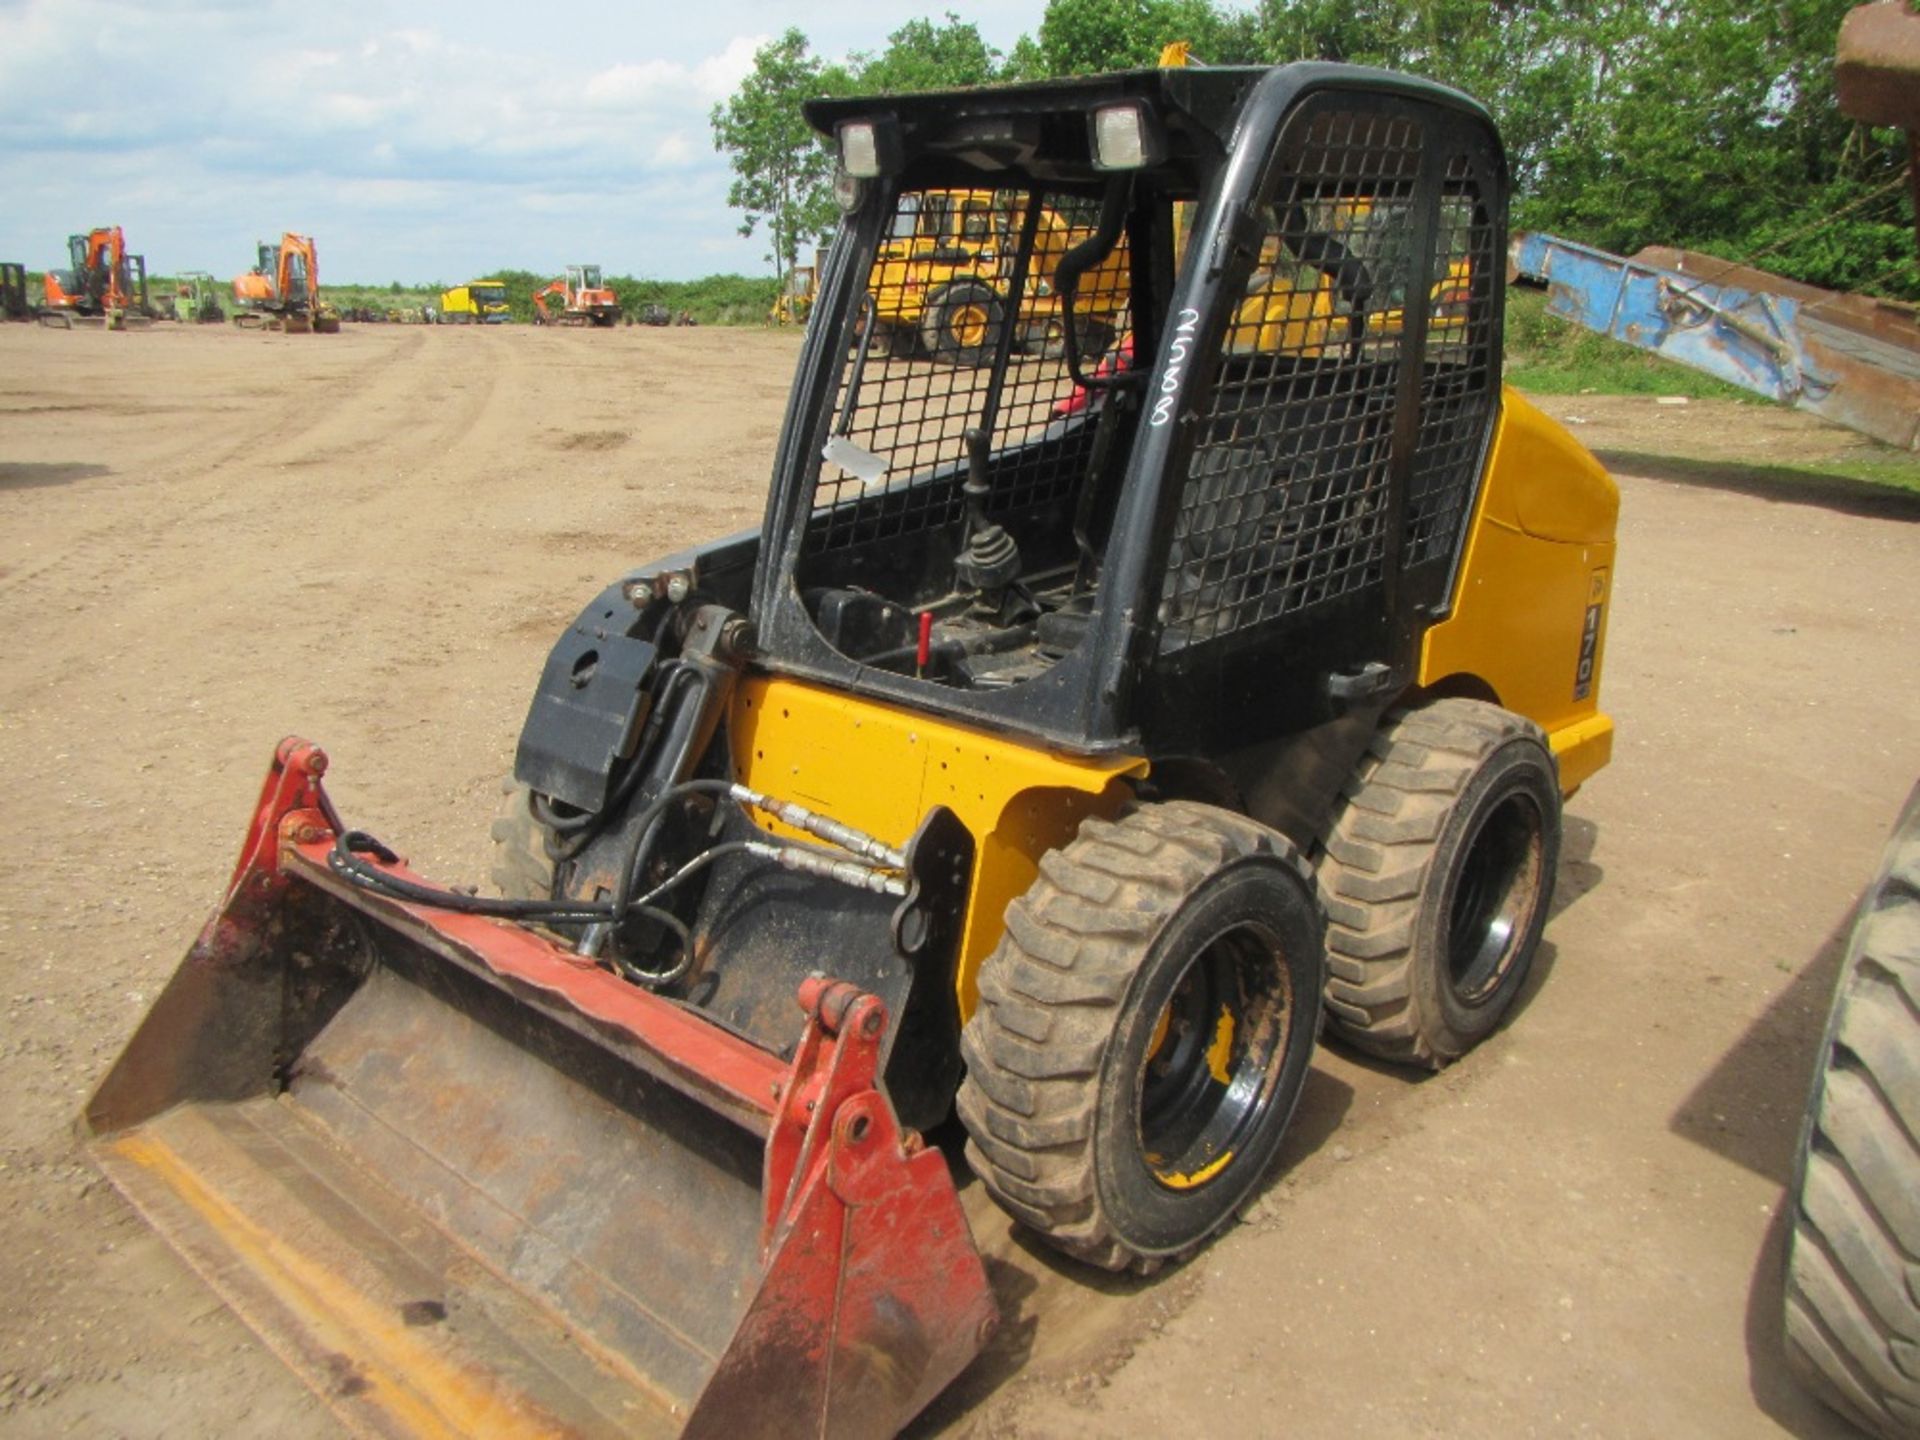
(523, 867)
(962, 326)
(1144, 1031)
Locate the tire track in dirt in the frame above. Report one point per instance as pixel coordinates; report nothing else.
(195, 472)
(207, 508)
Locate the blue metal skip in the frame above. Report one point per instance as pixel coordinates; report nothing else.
(1848, 359)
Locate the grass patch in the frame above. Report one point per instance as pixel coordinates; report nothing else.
(1880, 488)
(1900, 471)
(1550, 356)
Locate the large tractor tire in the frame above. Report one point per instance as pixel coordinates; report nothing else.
(1437, 876)
(522, 867)
(1852, 1308)
(1143, 1032)
(962, 325)
(1093, 338)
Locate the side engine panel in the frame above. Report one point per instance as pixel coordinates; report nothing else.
(1529, 614)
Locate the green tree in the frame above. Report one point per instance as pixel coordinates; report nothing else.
(1704, 123)
(1712, 125)
(1709, 124)
(921, 55)
(1085, 37)
(520, 285)
(783, 172)
(1361, 32)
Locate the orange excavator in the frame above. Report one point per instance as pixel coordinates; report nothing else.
(282, 291)
(584, 298)
(103, 284)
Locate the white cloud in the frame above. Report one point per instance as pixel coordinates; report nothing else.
(300, 62)
(718, 76)
(352, 111)
(674, 152)
(413, 143)
(622, 86)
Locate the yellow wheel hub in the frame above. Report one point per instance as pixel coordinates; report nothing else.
(969, 326)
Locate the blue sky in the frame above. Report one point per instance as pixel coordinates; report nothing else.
(420, 142)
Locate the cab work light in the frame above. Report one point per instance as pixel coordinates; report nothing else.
(868, 148)
(1125, 137)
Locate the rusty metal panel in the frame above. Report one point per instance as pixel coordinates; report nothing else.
(1876, 71)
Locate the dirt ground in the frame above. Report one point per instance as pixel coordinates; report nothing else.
(210, 539)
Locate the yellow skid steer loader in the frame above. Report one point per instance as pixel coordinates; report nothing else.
(1074, 736)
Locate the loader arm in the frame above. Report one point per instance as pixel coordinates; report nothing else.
(106, 252)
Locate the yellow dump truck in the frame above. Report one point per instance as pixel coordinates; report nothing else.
(478, 302)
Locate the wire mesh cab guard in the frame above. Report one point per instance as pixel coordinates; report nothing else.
(1298, 334)
(963, 328)
(1370, 280)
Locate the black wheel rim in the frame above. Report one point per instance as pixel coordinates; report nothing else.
(1208, 1075)
(1494, 899)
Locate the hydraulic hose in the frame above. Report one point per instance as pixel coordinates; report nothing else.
(1076, 262)
(872, 870)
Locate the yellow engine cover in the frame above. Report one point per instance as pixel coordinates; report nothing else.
(1529, 617)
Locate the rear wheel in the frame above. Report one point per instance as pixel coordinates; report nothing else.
(962, 327)
(1143, 1033)
(1852, 1304)
(1437, 875)
(522, 868)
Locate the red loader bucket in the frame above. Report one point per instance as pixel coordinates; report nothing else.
(468, 1183)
